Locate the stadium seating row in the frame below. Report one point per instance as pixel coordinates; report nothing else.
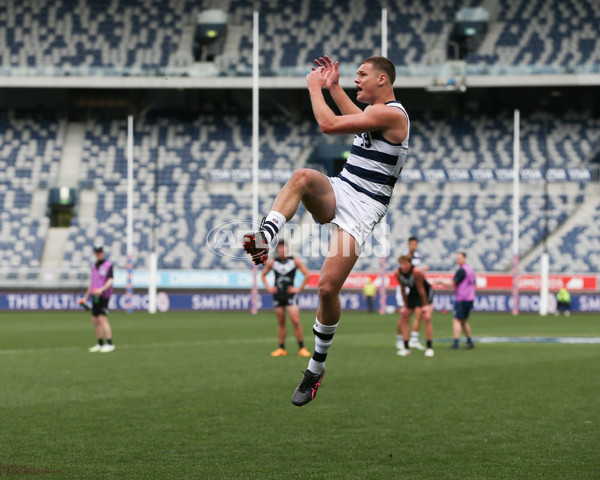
(68, 33)
(152, 35)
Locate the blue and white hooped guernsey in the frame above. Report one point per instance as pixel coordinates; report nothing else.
(374, 163)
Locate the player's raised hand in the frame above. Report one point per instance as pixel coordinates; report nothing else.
(332, 68)
(317, 78)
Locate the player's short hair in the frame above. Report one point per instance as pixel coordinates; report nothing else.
(384, 65)
(463, 254)
(281, 242)
(413, 239)
(404, 258)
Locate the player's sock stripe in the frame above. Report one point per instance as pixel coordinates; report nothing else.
(319, 357)
(269, 230)
(323, 336)
(271, 227)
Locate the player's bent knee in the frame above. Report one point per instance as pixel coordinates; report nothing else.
(301, 177)
(327, 292)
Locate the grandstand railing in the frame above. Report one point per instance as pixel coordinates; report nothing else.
(44, 278)
(347, 70)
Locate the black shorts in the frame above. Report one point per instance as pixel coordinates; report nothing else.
(284, 300)
(99, 306)
(462, 309)
(414, 301)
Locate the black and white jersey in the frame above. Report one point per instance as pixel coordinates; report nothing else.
(375, 163)
(408, 279)
(285, 271)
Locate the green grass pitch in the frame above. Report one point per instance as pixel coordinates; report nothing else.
(197, 396)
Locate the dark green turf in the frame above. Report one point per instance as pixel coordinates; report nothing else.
(198, 396)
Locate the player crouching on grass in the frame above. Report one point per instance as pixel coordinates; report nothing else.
(101, 288)
(417, 294)
(284, 296)
(354, 201)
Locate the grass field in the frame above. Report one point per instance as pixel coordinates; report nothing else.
(196, 395)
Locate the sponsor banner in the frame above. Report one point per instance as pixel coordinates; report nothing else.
(530, 282)
(201, 279)
(486, 281)
(226, 279)
(245, 175)
(232, 279)
(429, 175)
(187, 279)
(443, 302)
(69, 301)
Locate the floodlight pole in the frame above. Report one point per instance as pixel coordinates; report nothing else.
(129, 291)
(153, 259)
(255, 108)
(515, 205)
(383, 229)
(545, 258)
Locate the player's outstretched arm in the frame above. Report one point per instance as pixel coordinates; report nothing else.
(341, 99)
(306, 274)
(263, 276)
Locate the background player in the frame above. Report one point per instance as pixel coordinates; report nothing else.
(415, 256)
(100, 288)
(464, 285)
(416, 292)
(284, 296)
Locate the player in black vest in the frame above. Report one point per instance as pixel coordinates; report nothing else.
(416, 292)
(284, 297)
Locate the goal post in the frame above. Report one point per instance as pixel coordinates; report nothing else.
(515, 215)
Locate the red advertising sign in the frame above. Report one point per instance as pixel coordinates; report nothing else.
(485, 281)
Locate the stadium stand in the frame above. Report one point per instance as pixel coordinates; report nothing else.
(29, 160)
(135, 36)
(471, 141)
(189, 206)
(142, 35)
(576, 246)
(477, 221)
(545, 33)
(525, 33)
(469, 216)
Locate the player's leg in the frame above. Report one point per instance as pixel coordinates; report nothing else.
(294, 314)
(281, 332)
(99, 334)
(108, 347)
(456, 328)
(427, 313)
(416, 328)
(341, 258)
(399, 330)
(104, 325)
(405, 315)
(400, 308)
(466, 327)
(308, 186)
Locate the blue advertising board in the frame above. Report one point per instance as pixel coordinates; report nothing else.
(243, 301)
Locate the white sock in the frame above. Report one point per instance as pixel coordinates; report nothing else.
(323, 340)
(414, 336)
(273, 224)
